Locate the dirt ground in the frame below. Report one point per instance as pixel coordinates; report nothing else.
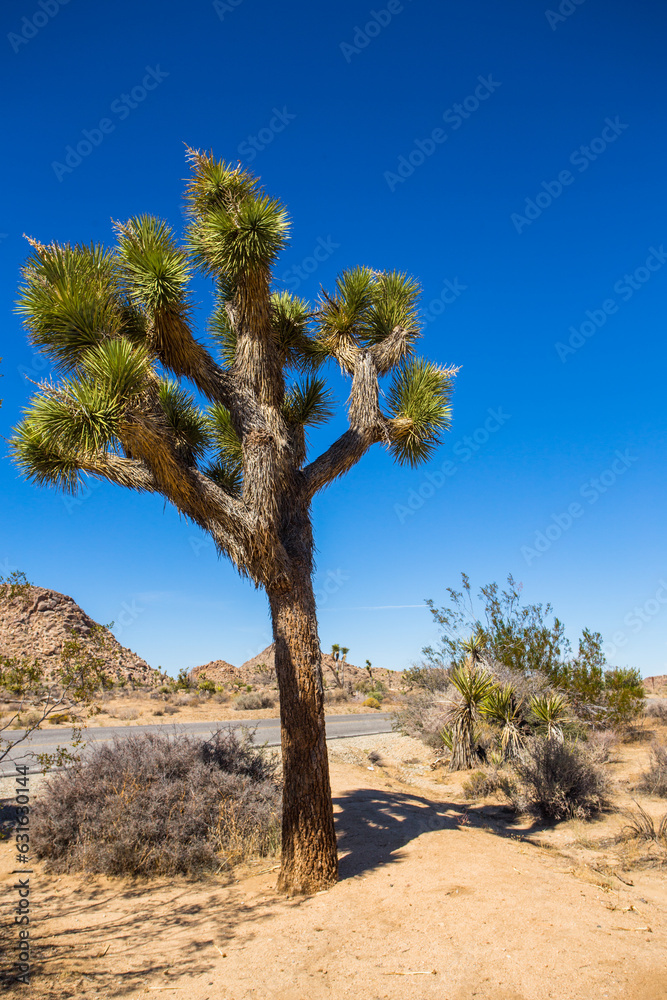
(438, 898)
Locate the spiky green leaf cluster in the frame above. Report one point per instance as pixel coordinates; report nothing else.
(237, 231)
(188, 424)
(309, 402)
(151, 266)
(366, 308)
(226, 469)
(419, 402)
(69, 301)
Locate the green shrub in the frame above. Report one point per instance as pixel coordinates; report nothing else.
(372, 703)
(206, 685)
(624, 695)
(183, 682)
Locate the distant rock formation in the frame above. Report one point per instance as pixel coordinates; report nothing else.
(218, 671)
(35, 626)
(261, 668)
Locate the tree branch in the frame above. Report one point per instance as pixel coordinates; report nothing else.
(367, 427)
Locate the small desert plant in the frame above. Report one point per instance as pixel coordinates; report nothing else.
(151, 805)
(171, 709)
(423, 716)
(252, 701)
(549, 713)
(559, 780)
(333, 696)
(221, 696)
(426, 678)
(600, 744)
(473, 684)
(126, 714)
(654, 779)
(502, 708)
(657, 710)
(372, 703)
(205, 685)
(183, 682)
(479, 784)
(641, 826)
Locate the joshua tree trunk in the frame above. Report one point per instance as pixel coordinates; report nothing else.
(309, 853)
(463, 751)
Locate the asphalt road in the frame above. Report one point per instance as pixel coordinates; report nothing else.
(268, 731)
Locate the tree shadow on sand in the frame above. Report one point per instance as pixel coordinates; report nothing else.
(373, 826)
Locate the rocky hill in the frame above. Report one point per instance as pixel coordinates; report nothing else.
(261, 669)
(35, 625)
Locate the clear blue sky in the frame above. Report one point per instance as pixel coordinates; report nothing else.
(536, 206)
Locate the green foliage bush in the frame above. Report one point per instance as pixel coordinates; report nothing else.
(372, 703)
(531, 646)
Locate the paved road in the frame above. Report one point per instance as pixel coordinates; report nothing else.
(268, 731)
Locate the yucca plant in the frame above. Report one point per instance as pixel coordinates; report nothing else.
(549, 712)
(116, 324)
(502, 708)
(473, 684)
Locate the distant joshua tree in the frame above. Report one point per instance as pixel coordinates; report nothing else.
(116, 324)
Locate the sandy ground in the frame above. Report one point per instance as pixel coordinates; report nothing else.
(438, 899)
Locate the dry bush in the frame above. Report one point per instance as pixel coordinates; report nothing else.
(221, 697)
(171, 709)
(154, 805)
(423, 715)
(125, 714)
(334, 696)
(480, 784)
(654, 779)
(253, 701)
(657, 710)
(558, 780)
(601, 744)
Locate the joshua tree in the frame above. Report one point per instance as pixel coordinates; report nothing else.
(233, 459)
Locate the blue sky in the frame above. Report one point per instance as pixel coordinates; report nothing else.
(512, 158)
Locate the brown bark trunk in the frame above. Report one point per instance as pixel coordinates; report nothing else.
(309, 852)
(463, 750)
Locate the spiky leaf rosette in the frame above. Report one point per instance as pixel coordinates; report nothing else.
(309, 402)
(370, 309)
(70, 301)
(226, 468)
(155, 274)
(420, 407)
